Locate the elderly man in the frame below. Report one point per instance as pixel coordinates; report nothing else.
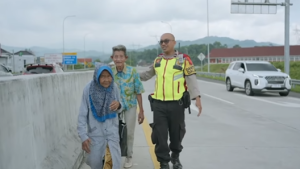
(131, 88)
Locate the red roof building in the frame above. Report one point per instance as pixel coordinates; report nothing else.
(270, 53)
(82, 60)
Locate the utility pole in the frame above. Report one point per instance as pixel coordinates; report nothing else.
(14, 65)
(84, 49)
(66, 66)
(208, 56)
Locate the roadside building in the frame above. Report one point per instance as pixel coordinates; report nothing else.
(84, 60)
(5, 58)
(269, 53)
(21, 59)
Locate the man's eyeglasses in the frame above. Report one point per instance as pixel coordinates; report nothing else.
(166, 41)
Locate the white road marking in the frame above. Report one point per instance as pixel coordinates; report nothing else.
(287, 104)
(219, 99)
(284, 104)
(291, 98)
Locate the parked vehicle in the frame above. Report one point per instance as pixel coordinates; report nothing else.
(42, 68)
(4, 71)
(257, 77)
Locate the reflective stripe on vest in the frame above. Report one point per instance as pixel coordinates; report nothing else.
(169, 82)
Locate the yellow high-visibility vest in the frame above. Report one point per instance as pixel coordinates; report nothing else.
(170, 81)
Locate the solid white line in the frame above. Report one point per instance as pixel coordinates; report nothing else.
(285, 104)
(291, 98)
(218, 99)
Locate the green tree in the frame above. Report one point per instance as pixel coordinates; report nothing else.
(236, 46)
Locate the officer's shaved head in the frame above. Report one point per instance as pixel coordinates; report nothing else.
(167, 43)
(167, 36)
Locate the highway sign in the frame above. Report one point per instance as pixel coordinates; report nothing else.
(201, 57)
(69, 58)
(53, 58)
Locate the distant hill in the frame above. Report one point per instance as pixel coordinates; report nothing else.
(223, 40)
(41, 51)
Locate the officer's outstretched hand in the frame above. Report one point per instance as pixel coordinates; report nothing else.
(199, 105)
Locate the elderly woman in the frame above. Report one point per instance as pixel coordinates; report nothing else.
(98, 124)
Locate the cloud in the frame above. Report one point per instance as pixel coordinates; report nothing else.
(109, 22)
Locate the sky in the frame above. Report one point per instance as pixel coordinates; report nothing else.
(134, 23)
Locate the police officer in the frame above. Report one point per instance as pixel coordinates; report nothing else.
(175, 73)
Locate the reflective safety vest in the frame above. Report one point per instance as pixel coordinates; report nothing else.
(170, 81)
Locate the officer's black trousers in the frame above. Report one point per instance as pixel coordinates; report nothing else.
(168, 118)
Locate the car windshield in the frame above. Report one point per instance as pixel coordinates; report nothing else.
(38, 70)
(260, 67)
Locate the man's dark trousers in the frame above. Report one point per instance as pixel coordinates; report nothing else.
(168, 119)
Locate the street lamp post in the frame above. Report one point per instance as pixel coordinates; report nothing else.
(208, 59)
(84, 47)
(64, 31)
(155, 36)
(168, 24)
(287, 37)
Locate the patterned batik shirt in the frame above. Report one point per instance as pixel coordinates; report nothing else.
(129, 84)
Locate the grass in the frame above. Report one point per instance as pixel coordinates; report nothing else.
(296, 89)
(211, 77)
(294, 68)
(215, 68)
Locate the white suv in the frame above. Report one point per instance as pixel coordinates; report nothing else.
(257, 77)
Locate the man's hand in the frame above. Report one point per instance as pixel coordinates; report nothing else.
(86, 145)
(199, 106)
(141, 117)
(114, 106)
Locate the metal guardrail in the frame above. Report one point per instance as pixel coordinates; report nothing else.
(212, 74)
(294, 81)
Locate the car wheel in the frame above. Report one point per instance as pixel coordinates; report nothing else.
(248, 88)
(228, 85)
(284, 93)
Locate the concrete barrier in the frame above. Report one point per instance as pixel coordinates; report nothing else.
(38, 120)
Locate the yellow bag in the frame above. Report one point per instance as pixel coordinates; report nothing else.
(108, 159)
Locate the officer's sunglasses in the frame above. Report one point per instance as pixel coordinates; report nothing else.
(166, 41)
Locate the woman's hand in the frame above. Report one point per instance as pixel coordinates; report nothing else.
(114, 106)
(86, 145)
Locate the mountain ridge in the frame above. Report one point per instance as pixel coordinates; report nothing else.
(41, 51)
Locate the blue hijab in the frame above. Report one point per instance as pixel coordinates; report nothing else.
(100, 97)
